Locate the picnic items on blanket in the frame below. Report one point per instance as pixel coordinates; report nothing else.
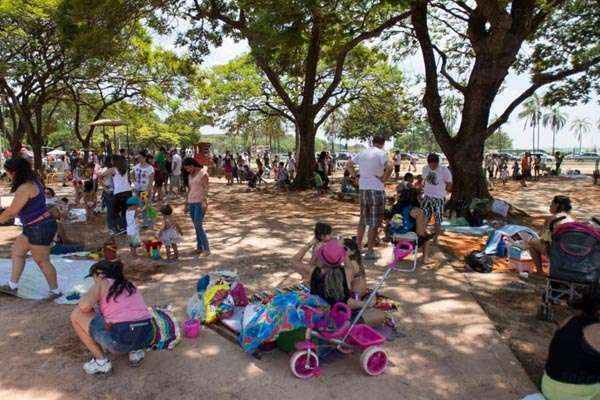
(167, 334)
(217, 295)
(496, 243)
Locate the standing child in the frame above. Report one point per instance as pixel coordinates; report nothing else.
(537, 162)
(133, 230)
(516, 171)
(170, 234)
(89, 198)
(318, 184)
(504, 171)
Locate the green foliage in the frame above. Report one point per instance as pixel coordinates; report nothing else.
(499, 141)
(381, 110)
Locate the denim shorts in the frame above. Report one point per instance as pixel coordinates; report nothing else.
(122, 337)
(41, 233)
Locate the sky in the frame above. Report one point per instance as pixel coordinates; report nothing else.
(514, 85)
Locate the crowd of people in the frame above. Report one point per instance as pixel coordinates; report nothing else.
(112, 317)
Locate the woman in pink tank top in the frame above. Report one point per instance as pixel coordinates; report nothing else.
(112, 317)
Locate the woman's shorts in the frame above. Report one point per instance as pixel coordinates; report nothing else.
(122, 337)
(41, 233)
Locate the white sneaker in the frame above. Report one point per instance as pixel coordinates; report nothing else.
(95, 367)
(136, 357)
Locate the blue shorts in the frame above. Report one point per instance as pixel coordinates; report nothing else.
(122, 337)
(41, 233)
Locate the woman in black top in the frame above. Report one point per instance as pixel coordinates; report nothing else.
(573, 366)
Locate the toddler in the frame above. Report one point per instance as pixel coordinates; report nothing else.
(170, 234)
(89, 198)
(133, 230)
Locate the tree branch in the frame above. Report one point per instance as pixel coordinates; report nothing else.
(451, 80)
(341, 57)
(431, 98)
(539, 81)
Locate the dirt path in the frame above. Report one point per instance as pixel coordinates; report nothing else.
(451, 349)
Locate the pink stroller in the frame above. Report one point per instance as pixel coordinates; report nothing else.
(337, 331)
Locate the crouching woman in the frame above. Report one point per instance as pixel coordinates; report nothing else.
(112, 317)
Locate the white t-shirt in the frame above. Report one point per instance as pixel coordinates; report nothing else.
(436, 181)
(132, 228)
(120, 183)
(371, 163)
(142, 177)
(291, 164)
(176, 165)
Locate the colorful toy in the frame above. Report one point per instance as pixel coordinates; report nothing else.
(153, 248)
(335, 330)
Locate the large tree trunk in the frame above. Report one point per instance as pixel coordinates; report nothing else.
(469, 179)
(306, 131)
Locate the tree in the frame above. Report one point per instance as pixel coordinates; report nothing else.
(469, 48)
(41, 42)
(556, 120)
(140, 73)
(532, 114)
(499, 141)
(383, 109)
(300, 46)
(580, 127)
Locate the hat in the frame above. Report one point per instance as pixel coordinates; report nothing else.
(331, 253)
(133, 201)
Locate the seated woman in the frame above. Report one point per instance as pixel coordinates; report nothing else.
(559, 208)
(406, 216)
(573, 366)
(113, 317)
(348, 185)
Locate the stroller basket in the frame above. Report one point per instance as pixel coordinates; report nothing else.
(575, 254)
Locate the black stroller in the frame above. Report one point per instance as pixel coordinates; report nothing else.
(574, 265)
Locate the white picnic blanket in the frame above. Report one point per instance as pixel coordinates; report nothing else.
(32, 285)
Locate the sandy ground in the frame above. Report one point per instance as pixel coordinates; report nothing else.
(452, 350)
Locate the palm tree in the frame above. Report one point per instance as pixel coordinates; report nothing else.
(580, 126)
(532, 114)
(556, 120)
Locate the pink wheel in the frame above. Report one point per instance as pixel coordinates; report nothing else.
(374, 360)
(304, 365)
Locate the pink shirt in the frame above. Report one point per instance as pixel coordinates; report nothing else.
(197, 190)
(125, 308)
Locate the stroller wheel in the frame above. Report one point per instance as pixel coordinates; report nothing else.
(304, 364)
(374, 360)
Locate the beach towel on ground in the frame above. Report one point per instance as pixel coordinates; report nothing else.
(466, 230)
(283, 313)
(32, 285)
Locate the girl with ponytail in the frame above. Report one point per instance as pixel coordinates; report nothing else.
(113, 317)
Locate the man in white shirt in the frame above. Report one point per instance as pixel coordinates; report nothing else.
(374, 169)
(438, 181)
(176, 172)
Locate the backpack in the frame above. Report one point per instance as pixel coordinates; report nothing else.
(478, 261)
